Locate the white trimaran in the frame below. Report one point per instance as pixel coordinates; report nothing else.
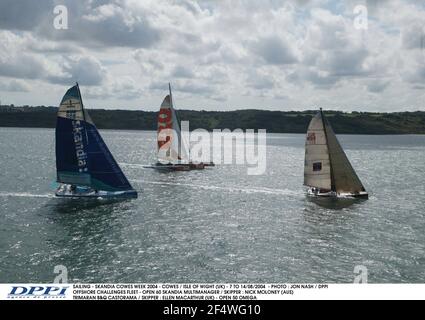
(173, 152)
(327, 169)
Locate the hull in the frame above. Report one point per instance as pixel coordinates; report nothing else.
(87, 193)
(361, 195)
(180, 167)
(170, 167)
(209, 164)
(336, 195)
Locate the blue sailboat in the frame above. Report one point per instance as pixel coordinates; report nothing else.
(85, 166)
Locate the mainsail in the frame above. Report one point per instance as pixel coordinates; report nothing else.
(317, 167)
(82, 157)
(326, 164)
(171, 146)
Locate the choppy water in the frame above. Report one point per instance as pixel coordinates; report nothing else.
(216, 225)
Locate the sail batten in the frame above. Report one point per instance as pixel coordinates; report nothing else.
(82, 157)
(326, 164)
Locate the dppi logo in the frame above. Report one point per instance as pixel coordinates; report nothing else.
(37, 292)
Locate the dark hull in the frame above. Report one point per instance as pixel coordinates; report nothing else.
(181, 167)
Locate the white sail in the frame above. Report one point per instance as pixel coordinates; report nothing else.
(344, 177)
(71, 107)
(171, 147)
(326, 164)
(317, 171)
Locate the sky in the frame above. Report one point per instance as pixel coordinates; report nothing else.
(218, 55)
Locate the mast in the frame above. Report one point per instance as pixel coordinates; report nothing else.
(333, 187)
(82, 109)
(81, 100)
(181, 142)
(171, 96)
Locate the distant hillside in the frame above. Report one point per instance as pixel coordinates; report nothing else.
(272, 121)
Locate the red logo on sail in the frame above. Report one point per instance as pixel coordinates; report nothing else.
(164, 122)
(311, 138)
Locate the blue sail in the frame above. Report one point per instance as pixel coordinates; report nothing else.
(82, 157)
(104, 170)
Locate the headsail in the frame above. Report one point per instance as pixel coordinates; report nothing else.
(345, 178)
(82, 157)
(171, 146)
(326, 164)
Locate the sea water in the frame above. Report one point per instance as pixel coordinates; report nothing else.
(213, 225)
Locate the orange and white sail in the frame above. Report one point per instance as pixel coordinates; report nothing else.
(171, 147)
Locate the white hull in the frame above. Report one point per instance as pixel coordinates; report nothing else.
(333, 194)
(64, 191)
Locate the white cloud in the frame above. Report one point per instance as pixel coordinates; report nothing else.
(217, 54)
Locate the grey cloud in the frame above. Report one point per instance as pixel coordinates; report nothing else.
(416, 75)
(191, 44)
(92, 23)
(158, 85)
(113, 31)
(413, 36)
(23, 14)
(22, 66)
(182, 72)
(274, 50)
(226, 54)
(191, 6)
(124, 88)
(183, 86)
(148, 61)
(319, 79)
(14, 86)
(377, 86)
(48, 47)
(260, 81)
(85, 70)
(194, 88)
(347, 62)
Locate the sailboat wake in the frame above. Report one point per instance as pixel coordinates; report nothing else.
(135, 165)
(25, 195)
(220, 188)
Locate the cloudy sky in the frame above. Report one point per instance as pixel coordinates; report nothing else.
(218, 55)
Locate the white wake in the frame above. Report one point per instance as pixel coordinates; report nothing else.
(221, 188)
(26, 195)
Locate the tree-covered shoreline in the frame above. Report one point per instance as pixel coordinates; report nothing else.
(272, 121)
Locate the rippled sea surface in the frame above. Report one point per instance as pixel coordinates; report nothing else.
(216, 225)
